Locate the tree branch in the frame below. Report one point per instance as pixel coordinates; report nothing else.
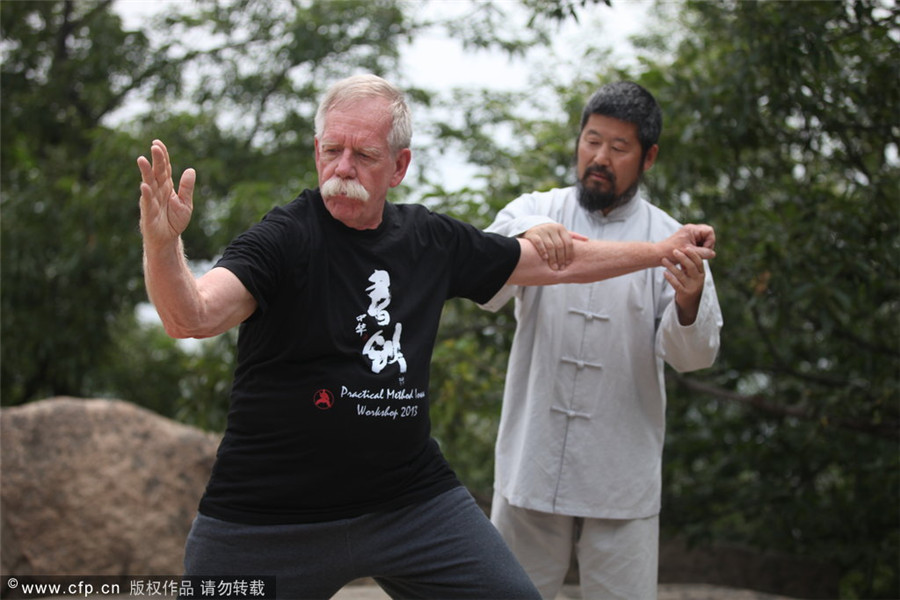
(888, 430)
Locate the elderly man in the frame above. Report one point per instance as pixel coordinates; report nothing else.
(327, 471)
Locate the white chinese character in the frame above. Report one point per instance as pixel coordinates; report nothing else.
(383, 352)
(380, 294)
(257, 588)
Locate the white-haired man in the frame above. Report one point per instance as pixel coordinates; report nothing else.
(327, 471)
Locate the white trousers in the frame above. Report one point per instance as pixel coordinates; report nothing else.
(616, 558)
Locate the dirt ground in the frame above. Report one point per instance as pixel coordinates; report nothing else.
(366, 590)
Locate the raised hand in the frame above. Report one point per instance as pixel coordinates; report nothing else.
(165, 214)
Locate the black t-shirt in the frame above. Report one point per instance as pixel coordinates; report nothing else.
(329, 406)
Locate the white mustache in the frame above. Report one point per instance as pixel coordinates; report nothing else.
(349, 188)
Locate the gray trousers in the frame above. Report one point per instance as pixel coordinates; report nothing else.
(617, 559)
(440, 549)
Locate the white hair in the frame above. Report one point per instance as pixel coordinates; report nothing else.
(359, 87)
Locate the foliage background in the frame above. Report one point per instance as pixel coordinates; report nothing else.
(781, 130)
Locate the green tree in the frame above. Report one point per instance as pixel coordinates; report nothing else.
(70, 252)
(239, 106)
(779, 131)
(792, 441)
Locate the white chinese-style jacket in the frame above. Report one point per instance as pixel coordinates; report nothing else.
(583, 421)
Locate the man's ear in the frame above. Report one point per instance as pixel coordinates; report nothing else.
(401, 164)
(650, 157)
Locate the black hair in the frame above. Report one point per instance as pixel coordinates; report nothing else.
(629, 102)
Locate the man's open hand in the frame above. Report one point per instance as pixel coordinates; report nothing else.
(165, 214)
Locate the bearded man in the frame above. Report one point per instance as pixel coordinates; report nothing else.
(579, 452)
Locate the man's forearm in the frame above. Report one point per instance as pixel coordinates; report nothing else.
(172, 288)
(595, 260)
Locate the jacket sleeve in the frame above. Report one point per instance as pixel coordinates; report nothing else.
(516, 218)
(692, 347)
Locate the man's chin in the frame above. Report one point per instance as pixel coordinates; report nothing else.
(593, 201)
(600, 187)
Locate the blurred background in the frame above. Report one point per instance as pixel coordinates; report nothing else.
(781, 130)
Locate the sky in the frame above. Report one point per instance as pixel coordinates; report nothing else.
(438, 62)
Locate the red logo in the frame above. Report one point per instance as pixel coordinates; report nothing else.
(324, 399)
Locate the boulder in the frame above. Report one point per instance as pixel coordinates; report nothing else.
(97, 487)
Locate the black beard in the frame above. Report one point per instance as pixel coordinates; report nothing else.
(593, 201)
(596, 200)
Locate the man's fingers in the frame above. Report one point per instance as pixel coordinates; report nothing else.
(710, 240)
(162, 168)
(538, 244)
(704, 236)
(158, 160)
(163, 151)
(146, 177)
(144, 167)
(186, 186)
(148, 185)
(705, 253)
(552, 250)
(554, 244)
(689, 259)
(673, 280)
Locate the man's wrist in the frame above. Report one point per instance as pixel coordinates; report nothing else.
(164, 250)
(661, 250)
(687, 311)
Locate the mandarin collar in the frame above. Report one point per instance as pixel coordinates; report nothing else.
(620, 213)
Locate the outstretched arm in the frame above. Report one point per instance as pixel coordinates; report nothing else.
(188, 306)
(595, 260)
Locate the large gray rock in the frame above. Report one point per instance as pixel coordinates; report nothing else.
(97, 487)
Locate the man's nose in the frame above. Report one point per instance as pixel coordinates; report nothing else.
(346, 167)
(601, 156)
